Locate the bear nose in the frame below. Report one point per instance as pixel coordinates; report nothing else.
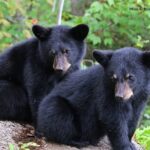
(119, 97)
(119, 91)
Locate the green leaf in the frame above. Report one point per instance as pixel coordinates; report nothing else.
(11, 147)
(108, 41)
(94, 39)
(30, 144)
(96, 7)
(110, 2)
(143, 137)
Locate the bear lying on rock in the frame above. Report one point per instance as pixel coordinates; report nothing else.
(31, 69)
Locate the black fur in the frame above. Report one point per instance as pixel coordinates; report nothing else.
(83, 108)
(26, 69)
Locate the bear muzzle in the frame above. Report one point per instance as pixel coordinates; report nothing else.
(61, 63)
(123, 91)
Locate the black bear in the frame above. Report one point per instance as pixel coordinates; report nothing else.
(105, 99)
(30, 70)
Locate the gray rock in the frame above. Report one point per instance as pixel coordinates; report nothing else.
(15, 134)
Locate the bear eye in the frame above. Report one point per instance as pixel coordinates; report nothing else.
(65, 51)
(114, 77)
(52, 52)
(130, 77)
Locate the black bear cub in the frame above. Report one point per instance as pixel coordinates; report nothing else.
(105, 99)
(30, 70)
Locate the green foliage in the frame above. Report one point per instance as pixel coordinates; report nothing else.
(28, 146)
(140, 43)
(114, 23)
(17, 18)
(146, 118)
(143, 137)
(11, 147)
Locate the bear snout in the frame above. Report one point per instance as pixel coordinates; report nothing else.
(123, 91)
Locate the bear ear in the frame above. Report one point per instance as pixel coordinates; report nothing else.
(102, 56)
(40, 32)
(146, 58)
(79, 32)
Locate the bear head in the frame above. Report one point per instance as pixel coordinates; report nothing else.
(126, 71)
(61, 48)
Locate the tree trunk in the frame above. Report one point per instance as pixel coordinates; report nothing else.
(78, 7)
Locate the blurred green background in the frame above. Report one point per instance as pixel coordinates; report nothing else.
(113, 24)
